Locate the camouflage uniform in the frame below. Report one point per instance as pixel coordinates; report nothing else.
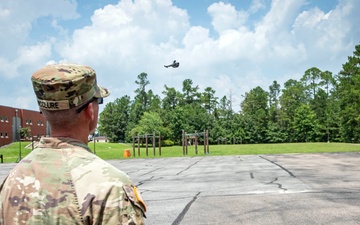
(62, 181)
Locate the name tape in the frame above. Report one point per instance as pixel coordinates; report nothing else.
(54, 105)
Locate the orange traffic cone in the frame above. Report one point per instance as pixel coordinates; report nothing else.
(127, 153)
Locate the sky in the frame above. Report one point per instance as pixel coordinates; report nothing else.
(231, 46)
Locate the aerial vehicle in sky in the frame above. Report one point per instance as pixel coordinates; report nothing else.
(173, 65)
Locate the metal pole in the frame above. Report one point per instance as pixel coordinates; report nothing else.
(186, 144)
(207, 141)
(196, 144)
(159, 144)
(19, 148)
(133, 144)
(17, 134)
(146, 143)
(154, 143)
(32, 142)
(204, 142)
(183, 141)
(138, 145)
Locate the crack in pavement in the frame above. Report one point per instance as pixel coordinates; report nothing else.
(290, 173)
(189, 167)
(278, 184)
(143, 181)
(151, 171)
(184, 211)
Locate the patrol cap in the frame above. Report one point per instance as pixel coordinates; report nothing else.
(65, 86)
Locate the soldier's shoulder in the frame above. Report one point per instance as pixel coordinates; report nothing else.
(98, 170)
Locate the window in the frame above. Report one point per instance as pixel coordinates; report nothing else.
(6, 119)
(1, 119)
(6, 135)
(30, 122)
(1, 135)
(27, 122)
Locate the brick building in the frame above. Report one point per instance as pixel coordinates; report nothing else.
(13, 119)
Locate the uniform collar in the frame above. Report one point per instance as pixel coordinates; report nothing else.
(61, 142)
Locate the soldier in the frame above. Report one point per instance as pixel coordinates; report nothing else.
(62, 181)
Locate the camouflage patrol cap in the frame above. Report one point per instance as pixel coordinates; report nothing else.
(65, 86)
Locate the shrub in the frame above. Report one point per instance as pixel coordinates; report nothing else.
(167, 143)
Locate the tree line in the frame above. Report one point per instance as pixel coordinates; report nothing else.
(320, 107)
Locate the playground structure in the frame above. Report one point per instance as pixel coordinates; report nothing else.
(140, 140)
(195, 138)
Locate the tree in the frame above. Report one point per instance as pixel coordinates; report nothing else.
(114, 119)
(274, 106)
(189, 92)
(274, 133)
(320, 109)
(209, 100)
(141, 101)
(171, 99)
(311, 81)
(255, 111)
(293, 95)
(274, 93)
(151, 122)
(238, 132)
(349, 95)
(25, 132)
(224, 108)
(141, 94)
(328, 84)
(304, 124)
(223, 121)
(333, 114)
(154, 102)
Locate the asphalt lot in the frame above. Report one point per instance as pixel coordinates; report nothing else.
(255, 189)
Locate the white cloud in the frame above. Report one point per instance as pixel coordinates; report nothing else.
(256, 5)
(27, 56)
(196, 36)
(225, 17)
(16, 21)
(61, 30)
(6, 68)
(33, 54)
(127, 33)
(328, 37)
(26, 101)
(17, 17)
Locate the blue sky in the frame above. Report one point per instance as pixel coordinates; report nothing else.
(230, 45)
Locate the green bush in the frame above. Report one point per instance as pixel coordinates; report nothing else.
(167, 143)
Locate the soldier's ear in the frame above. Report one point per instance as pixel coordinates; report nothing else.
(90, 111)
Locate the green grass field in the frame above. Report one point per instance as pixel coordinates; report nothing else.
(116, 150)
